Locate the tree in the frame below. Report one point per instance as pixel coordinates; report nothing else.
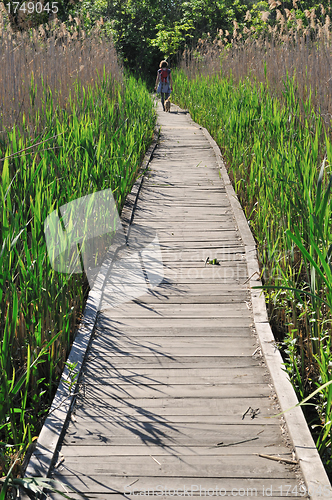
(170, 39)
(209, 16)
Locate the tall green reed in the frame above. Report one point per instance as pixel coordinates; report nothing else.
(275, 157)
(61, 148)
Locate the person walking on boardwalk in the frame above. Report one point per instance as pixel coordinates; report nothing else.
(164, 84)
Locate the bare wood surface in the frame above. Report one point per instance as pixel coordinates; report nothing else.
(179, 451)
(174, 391)
(103, 484)
(175, 466)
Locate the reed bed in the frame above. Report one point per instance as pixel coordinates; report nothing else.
(71, 124)
(266, 102)
(291, 50)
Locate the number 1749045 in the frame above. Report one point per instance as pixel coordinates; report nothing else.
(31, 7)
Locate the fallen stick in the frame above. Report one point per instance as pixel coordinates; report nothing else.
(277, 459)
(155, 460)
(222, 445)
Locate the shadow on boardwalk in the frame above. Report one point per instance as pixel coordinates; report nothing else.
(174, 393)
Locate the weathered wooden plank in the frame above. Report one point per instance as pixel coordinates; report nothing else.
(137, 310)
(163, 345)
(179, 308)
(211, 235)
(175, 266)
(188, 194)
(122, 280)
(173, 376)
(238, 297)
(163, 341)
(188, 147)
(127, 415)
(210, 333)
(247, 429)
(188, 157)
(178, 342)
(188, 256)
(178, 391)
(214, 235)
(239, 314)
(184, 486)
(105, 348)
(74, 451)
(208, 245)
(167, 289)
(223, 260)
(151, 381)
(175, 466)
(185, 206)
(116, 433)
(173, 361)
(184, 260)
(144, 212)
(197, 221)
(123, 273)
(199, 178)
(263, 412)
(206, 230)
(229, 250)
(171, 322)
(200, 181)
(217, 287)
(165, 407)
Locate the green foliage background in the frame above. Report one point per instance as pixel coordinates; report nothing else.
(146, 31)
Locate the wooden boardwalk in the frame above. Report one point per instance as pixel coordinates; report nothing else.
(174, 394)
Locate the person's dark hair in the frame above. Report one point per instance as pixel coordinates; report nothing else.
(163, 64)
